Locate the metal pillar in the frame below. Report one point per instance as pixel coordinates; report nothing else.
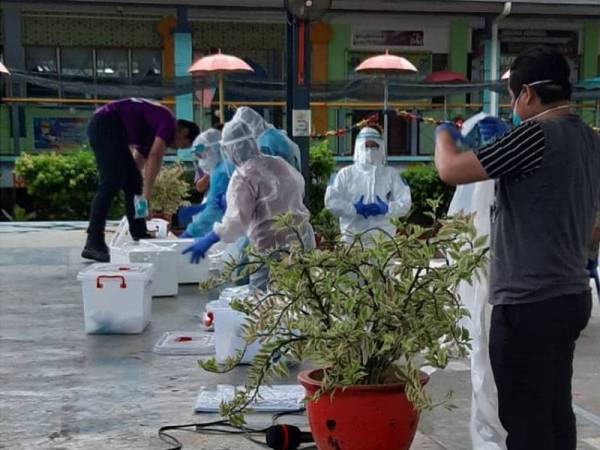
(495, 56)
(182, 41)
(298, 87)
(14, 57)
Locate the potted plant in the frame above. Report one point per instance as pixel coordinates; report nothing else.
(170, 192)
(367, 317)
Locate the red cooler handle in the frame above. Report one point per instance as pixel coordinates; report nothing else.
(99, 285)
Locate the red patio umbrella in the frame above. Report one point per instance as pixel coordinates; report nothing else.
(386, 64)
(445, 76)
(219, 64)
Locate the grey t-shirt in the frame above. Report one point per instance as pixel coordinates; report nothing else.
(547, 195)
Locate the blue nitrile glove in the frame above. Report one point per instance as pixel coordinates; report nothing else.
(492, 128)
(378, 208)
(451, 129)
(201, 246)
(222, 202)
(185, 235)
(361, 208)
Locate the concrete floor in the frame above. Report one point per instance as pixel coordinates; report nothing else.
(64, 390)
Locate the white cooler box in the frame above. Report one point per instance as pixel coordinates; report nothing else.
(164, 282)
(186, 272)
(116, 298)
(157, 226)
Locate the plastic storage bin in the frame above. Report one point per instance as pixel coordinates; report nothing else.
(228, 294)
(164, 282)
(186, 271)
(116, 298)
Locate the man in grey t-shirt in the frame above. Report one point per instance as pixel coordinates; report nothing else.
(547, 194)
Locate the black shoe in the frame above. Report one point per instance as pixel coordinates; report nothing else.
(96, 254)
(146, 235)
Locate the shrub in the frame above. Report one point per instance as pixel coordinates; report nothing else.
(170, 190)
(62, 186)
(322, 166)
(425, 184)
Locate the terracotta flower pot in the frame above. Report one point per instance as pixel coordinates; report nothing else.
(372, 417)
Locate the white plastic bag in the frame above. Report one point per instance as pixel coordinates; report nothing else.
(486, 430)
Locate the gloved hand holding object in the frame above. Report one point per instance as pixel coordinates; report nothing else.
(452, 131)
(492, 128)
(201, 247)
(141, 207)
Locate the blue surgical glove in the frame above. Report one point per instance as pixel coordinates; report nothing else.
(185, 235)
(361, 208)
(451, 129)
(222, 202)
(201, 246)
(492, 128)
(379, 208)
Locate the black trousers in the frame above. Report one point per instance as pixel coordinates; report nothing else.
(117, 170)
(531, 351)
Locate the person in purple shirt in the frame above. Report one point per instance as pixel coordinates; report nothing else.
(129, 138)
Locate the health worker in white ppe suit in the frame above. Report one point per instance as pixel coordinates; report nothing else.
(271, 141)
(368, 194)
(261, 188)
(486, 430)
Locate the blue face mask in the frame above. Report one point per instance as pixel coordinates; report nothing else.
(516, 119)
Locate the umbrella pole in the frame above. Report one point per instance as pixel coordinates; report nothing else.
(445, 108)
(221, 100)
(385, 116)
(202, 109)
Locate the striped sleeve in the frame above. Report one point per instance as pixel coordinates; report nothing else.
(517, 154)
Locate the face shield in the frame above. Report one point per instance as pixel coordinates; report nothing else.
(369, 147)
(238, 143)
(206, 148)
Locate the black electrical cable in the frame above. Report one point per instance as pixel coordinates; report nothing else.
(222, 426)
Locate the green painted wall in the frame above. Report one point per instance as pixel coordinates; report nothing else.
(589, 63)
(589, 66)
(5, 140)
(336, 71)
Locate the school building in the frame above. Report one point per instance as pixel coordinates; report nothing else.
(148, 41)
